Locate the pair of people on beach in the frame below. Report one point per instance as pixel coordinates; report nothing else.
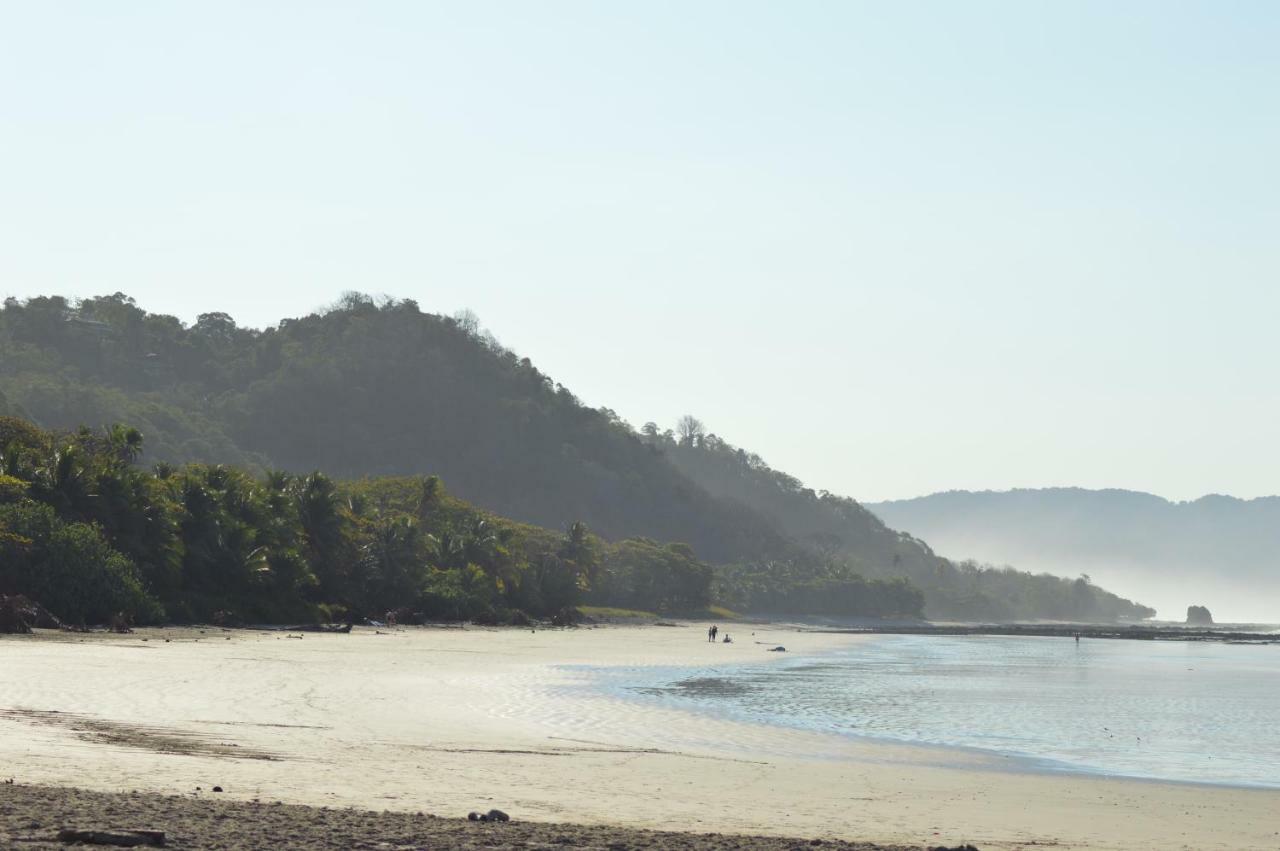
(711, 635)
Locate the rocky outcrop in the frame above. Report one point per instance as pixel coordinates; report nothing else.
(1199, 616)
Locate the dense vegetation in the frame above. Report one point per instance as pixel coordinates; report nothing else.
(841, 531)
(93, 536)
(383, 389)
(360, 390)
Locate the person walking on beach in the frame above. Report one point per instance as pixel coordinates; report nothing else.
(711, 634)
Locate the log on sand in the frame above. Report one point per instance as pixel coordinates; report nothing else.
(117, 838)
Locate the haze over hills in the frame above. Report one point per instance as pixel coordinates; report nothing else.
(376, 389)
(1216, 551)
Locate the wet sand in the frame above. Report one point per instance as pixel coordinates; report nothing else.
(445, 721)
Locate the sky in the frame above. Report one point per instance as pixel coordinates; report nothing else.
(893, 247)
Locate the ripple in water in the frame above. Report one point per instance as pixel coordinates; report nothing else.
(1182, 711)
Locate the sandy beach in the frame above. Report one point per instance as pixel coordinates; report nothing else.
(444, 721)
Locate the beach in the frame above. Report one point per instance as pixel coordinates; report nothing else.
(446, 721)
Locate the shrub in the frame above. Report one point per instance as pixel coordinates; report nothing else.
(71, 569)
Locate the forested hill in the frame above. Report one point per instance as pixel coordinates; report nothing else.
(1216, 551)
(375, 389)
(841, 529)
(361, 390)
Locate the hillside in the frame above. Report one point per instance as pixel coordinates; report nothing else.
(360, 391)
(841, 529)
(1216, 551)
(384, 389)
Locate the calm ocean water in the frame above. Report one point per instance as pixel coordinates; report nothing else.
(1186, 711)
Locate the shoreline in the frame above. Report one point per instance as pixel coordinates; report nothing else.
(1092, 631)
(992, 759)
(446, 721)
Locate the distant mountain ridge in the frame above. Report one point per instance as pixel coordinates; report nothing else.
(1218, 550)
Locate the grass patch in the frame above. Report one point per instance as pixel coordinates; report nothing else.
(711, 613)
(610, 612)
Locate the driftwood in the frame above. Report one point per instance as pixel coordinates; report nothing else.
(117, 838)
(308, 627)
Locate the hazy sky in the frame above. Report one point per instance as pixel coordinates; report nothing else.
(893, 247)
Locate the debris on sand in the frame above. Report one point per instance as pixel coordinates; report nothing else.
(19, 615)
(117, 838)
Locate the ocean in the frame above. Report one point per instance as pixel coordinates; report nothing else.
(1201, 712)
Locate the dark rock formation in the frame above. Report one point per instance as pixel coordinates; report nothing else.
(1199, 616)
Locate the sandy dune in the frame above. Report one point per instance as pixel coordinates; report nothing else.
(450, 720)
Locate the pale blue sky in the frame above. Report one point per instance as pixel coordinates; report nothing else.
(894, 247)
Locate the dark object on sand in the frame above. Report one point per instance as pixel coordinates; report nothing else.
(492, 815)
(19, 615)
(1199, 616)
(473, 816)
(223, 617)
(568, 616)
(217, 789)
(965, 847)
(778, 649)
(311, 627)
(118, 838)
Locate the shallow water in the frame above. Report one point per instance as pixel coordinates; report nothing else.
(1183, 711)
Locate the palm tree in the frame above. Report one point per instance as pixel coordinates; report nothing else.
(579, 550)
(323, 532)
(448, 551)
(123, 442)
(391, 559)
(62, 482)
(480, 544)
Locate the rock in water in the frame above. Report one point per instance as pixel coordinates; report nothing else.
(1199, 616)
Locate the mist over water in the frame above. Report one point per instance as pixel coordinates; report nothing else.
(1182, 711)
(1216, 551)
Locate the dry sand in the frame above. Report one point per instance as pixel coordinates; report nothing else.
(448, 720)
